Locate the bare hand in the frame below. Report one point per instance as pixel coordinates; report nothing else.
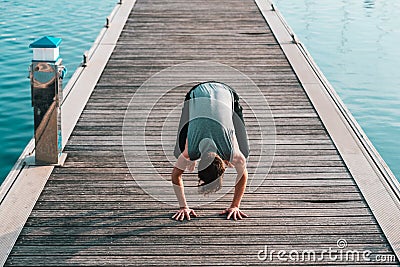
(235, 213)
(184, 213)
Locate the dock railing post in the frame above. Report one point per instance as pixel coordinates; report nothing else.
(46, 74)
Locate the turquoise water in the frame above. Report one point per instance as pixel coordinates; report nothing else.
(21, 22)
(356, 45)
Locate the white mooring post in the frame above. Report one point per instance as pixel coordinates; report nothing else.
(46, 74)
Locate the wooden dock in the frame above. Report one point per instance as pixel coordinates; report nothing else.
(92, 212)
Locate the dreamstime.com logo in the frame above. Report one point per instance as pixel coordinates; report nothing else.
(340, 253)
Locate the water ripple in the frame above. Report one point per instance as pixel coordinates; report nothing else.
(356, 46)
(76, 22)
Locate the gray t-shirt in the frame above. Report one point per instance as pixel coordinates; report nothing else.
(210, 121)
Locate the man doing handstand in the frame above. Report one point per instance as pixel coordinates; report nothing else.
(211, 129)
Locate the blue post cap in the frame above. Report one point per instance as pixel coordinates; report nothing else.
(46, 42)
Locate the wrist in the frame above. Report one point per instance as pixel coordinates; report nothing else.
(184, 207)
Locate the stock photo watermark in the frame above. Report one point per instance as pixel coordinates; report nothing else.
(339, 253)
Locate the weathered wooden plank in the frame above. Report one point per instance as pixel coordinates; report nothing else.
(124, 91)
(279, 160)
(137, 83)
(95, 177)
(112, 182)
(130, 197)
(151, 204)
(113, 131)
(204, 214)
(162, 171)
(153, 123)
(232, 249)
(162, 148)
(54, 190)
(279, 139)
(163, 162)
(277, 239)
(289, 160)
(156, 260)
(199, 221)
(174, 229)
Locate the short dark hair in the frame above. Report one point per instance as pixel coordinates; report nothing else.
(211, 169)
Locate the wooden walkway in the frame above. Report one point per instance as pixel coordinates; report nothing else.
(92, 212)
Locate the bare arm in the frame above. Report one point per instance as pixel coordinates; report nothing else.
(239, 162)
(240, 186)
(181, 164)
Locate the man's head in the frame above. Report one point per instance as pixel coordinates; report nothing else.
(211, 169)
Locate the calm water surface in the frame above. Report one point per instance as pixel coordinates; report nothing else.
(356, 45)
(21, 22)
